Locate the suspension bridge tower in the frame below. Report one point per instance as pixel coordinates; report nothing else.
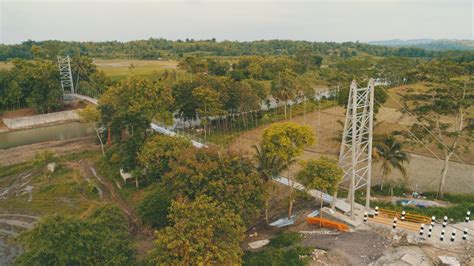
(65, 74)
(355, 157)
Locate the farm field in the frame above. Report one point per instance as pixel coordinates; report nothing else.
(118, 69)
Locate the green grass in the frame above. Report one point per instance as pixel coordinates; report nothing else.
(285, 239)
(120, 69)
(63, 192)
(14, 169)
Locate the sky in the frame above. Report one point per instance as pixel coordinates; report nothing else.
(244, 20)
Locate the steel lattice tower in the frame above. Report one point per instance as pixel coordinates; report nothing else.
(65, 74)
(355, 157)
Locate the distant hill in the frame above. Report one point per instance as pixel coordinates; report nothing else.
(429, 44)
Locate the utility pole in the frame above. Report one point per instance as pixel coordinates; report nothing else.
(355, 156)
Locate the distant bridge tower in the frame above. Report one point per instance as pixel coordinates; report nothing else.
(65, 73)
(355, 157)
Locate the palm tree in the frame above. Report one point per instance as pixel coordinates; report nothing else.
(268, 167)
(389, 152)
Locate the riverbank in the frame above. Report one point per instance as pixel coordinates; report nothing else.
(27, 152)
(29, 118)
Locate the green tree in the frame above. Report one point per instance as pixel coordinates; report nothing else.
(208, 104)
(128, 109)
(450, 100)
(268, 167)
(225, 177)
(154, 208)
(158, 152)
(323, 174)
(92, 114)
(201, 232)
(389, 152)
(39, 81)
(100, 239)
(286, 141)
(284, 87)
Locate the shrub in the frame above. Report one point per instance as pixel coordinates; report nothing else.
(285, 239)
(278, 256)
(153, 209)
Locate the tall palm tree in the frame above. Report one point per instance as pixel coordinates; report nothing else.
(391, 155)
(268, 167)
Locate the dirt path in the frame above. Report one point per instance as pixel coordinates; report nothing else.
(107, 191)
(28, 152)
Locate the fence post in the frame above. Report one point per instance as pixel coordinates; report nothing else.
(422, 229)
(464, 234)
(430, 229)
(453, 235)
(403, 216)
(394, 223)
(441, 238)
(365, 217)
(376, 210)
(445, 221)
(468, 214)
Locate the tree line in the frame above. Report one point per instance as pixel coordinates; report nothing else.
(158, 48)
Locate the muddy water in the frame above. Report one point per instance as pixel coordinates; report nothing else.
(66, 131)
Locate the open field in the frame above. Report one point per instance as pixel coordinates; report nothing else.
(118, 69)
(424, 169)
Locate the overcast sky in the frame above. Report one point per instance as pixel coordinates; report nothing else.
(335, 20)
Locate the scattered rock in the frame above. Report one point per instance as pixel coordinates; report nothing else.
(51, 167)
(259, 243)
(448, 260)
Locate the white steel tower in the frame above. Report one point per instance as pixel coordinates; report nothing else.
(355, 156)
(65, 74)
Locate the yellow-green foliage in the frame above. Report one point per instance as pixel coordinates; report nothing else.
(287, 140)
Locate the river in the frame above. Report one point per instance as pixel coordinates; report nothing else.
(65, 131)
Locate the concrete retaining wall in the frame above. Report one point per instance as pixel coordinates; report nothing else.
(39, 120)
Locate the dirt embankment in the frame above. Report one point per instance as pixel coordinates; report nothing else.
(28, 152)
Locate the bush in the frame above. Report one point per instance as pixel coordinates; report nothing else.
(100, 239)
(285, 239)
(153, 209)
(278, 256)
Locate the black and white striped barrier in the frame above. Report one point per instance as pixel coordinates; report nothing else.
(468, 216)
(441, 238)
(464, 234)
(433, 218)
(453, 235)
(394, 223)
(365, 216)
(422, 229)
(430, 230)
(376, 210)
(403, 216)
(445, 221)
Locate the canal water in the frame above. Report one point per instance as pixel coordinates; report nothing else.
(65, 131)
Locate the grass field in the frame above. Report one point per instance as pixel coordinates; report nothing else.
(118, 69)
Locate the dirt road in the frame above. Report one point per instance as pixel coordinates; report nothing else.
(28, 152)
